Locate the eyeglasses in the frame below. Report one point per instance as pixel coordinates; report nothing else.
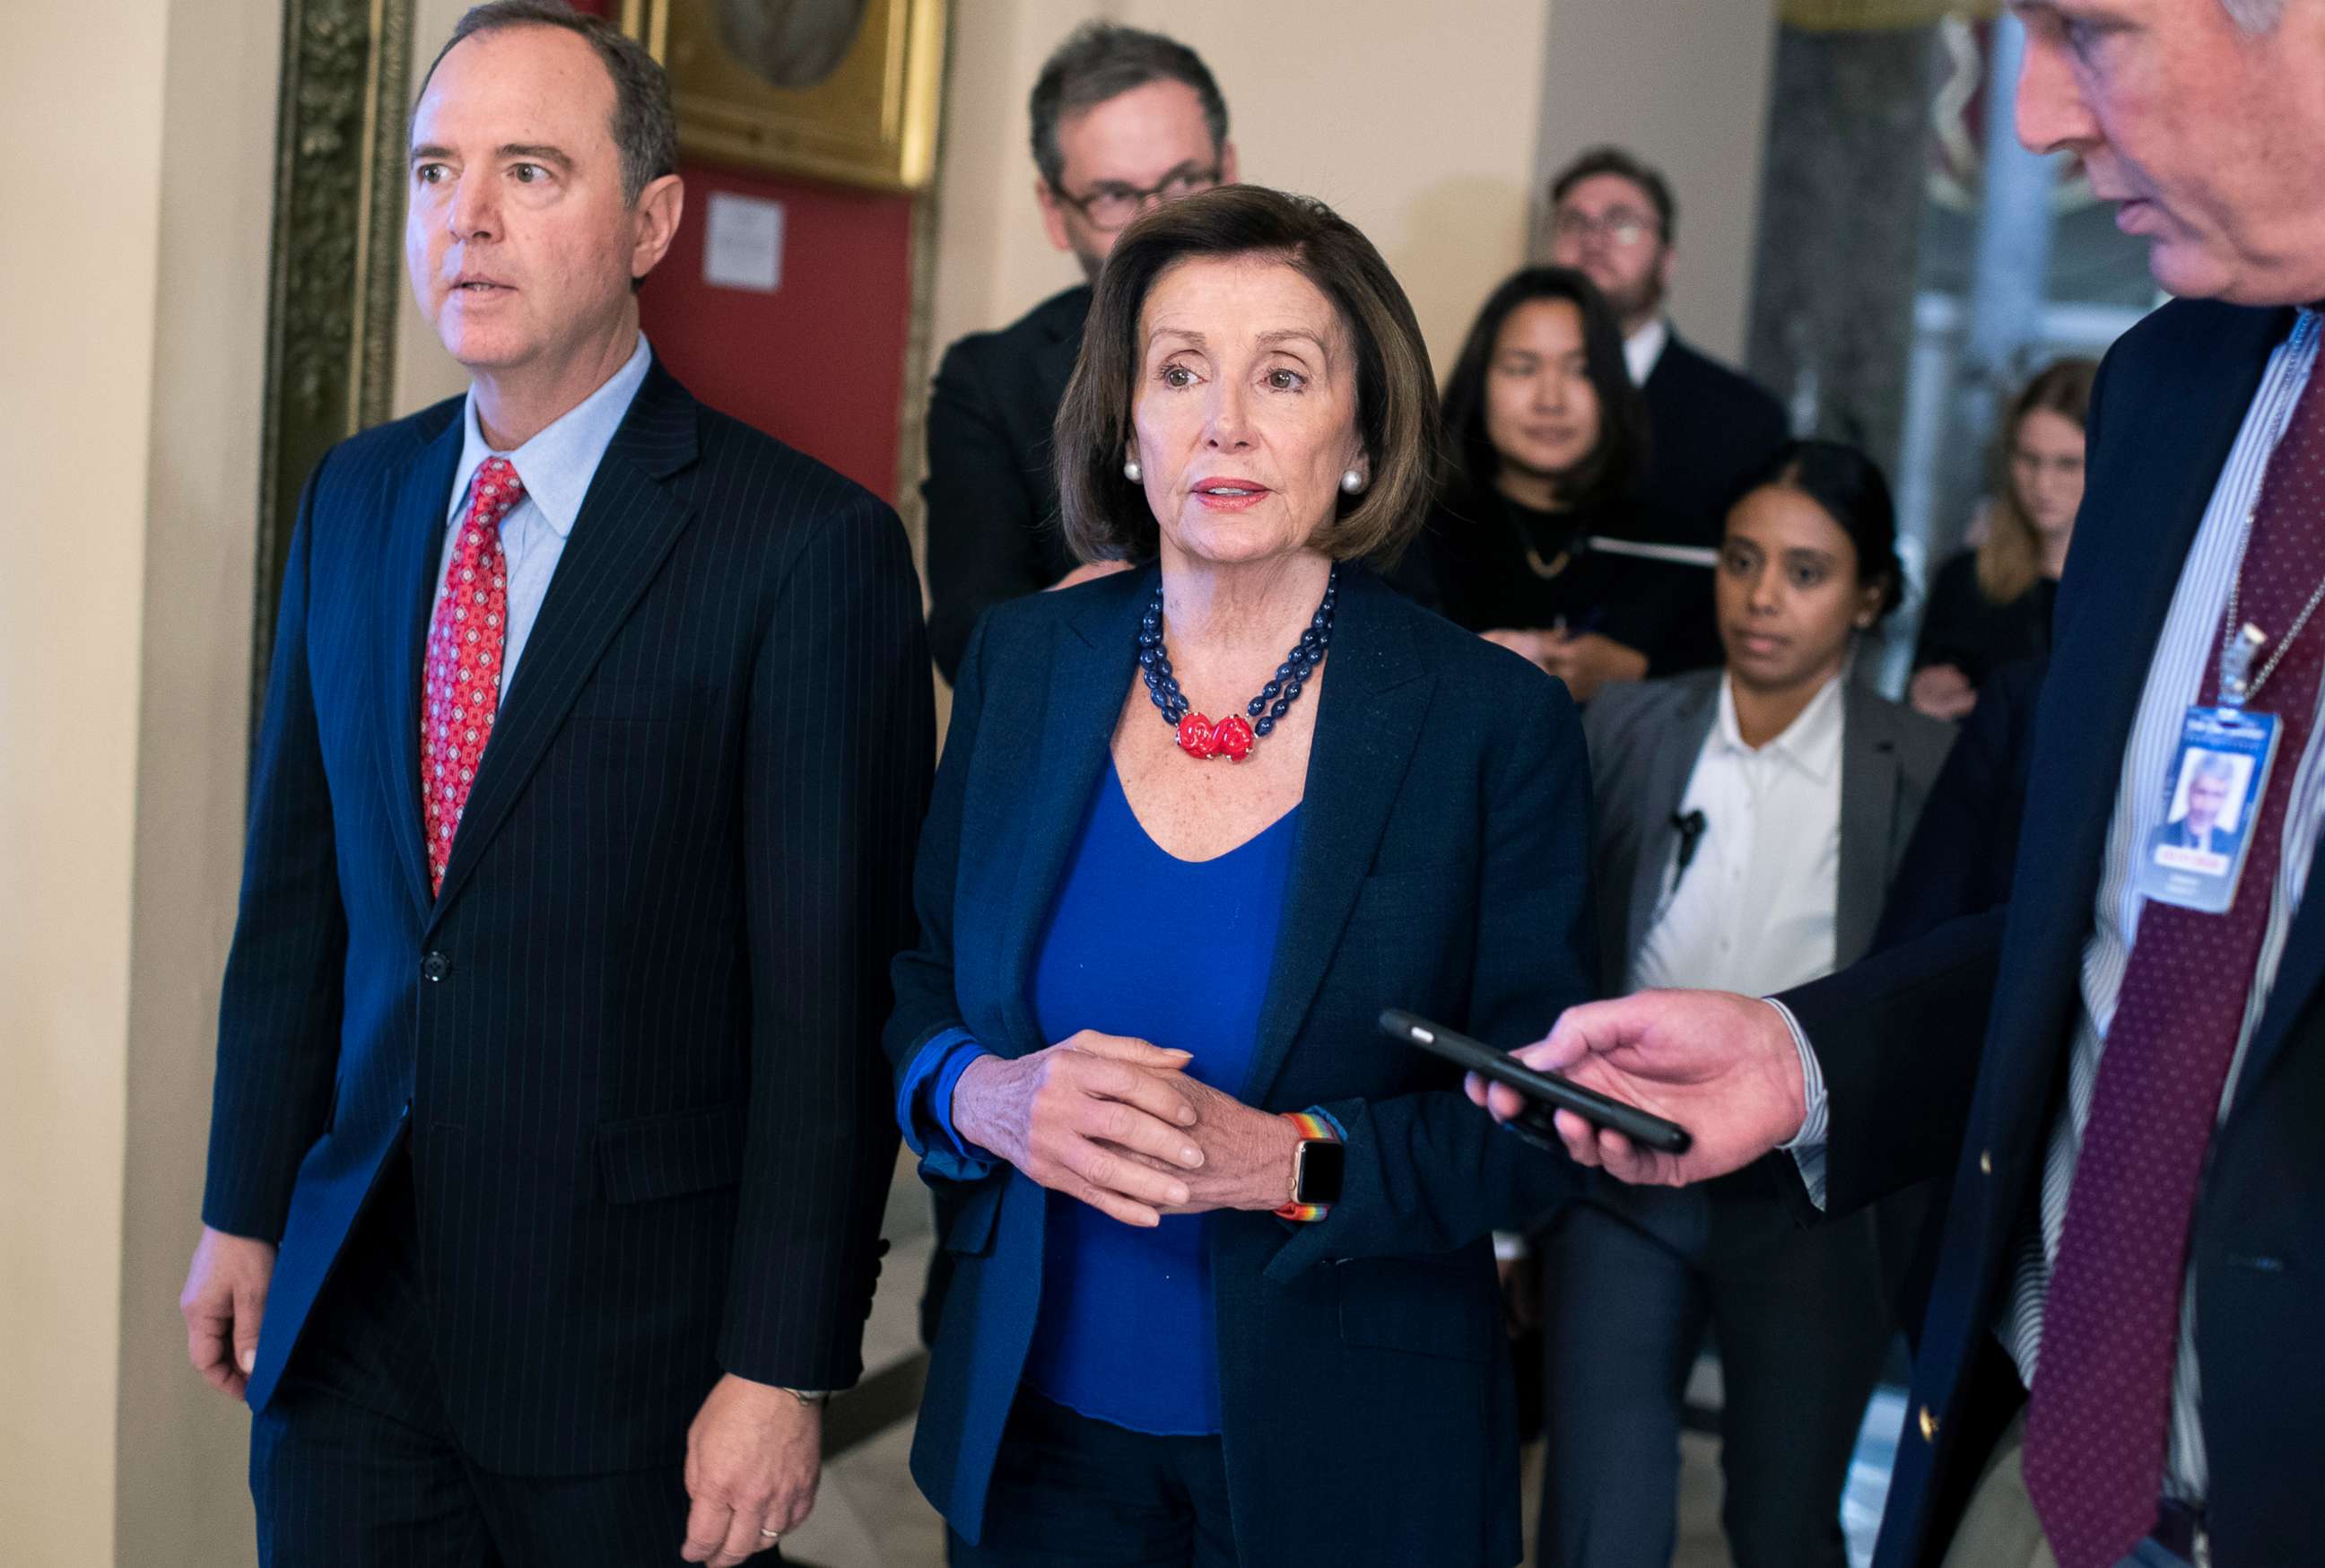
(1620, 228)
(1112, 207)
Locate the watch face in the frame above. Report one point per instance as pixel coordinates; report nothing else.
(1321, 1166)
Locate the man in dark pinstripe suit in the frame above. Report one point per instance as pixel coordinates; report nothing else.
(551, 1132)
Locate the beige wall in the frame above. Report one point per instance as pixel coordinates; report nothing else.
(182, 1494)
(1684, 83)
(85, 146)
(1416, 122)
(131, 461)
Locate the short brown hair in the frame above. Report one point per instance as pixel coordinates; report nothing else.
(1105, 516)
(1623, 164)
(645, 125)
(1100, 61)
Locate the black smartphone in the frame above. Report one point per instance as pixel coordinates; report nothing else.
(1546, 1089)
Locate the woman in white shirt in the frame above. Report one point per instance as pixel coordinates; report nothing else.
(1750, 818)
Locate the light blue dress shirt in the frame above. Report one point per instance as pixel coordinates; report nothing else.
(556, 467)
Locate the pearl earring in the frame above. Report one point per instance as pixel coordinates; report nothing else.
(1132, 471)
(1352, 482)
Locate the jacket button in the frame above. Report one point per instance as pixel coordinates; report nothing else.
(434, 968)
(1986, 1161)
(1929, 1424)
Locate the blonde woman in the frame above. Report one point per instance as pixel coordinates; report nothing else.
(1991, 605)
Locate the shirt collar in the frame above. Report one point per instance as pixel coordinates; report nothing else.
(1643, 348)
(1811, 743)
(557, 465)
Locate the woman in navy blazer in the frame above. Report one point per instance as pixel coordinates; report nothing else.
(1142, 1012)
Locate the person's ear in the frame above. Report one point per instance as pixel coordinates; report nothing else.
(1053, 214)
(1229, 170)
(660, 208)
(1663, 270)
(1870, 600)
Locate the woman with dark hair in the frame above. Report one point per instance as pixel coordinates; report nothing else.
(1990, 605)
(1750, 820)
(1223, 1249)
(1534, 540)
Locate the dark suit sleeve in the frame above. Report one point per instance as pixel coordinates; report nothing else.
(926, 1003)
(836, 771)
(279, 1014)
(984, 516)
(1900, 1036)
(1429, 1172)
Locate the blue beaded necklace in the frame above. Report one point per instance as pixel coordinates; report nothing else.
(1232, 737)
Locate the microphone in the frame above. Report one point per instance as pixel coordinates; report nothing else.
(1690, 826)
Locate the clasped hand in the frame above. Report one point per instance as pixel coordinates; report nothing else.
(1118, 1124)
(1722, 1066)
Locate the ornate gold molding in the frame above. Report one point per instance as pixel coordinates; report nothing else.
(337, 261)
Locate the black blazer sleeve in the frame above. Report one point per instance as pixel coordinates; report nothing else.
(985, 516)
(1966, 841)
(1428, 1172)
(279, 1013)
(835, 762)
(1899, 1036)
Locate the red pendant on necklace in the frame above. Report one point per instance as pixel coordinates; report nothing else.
(1230, 737)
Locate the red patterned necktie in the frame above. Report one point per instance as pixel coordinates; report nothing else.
(2100, 1413)
(461, 690)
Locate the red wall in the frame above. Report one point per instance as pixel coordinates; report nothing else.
(820, 362)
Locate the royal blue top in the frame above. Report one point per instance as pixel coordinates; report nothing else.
(1178, 952)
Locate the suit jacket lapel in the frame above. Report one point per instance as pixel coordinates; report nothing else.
(413, 544)
(628, 523)
(2114, 604)
(1868, 820)
(1090, 658)
(1669, 769)
(1376, 694)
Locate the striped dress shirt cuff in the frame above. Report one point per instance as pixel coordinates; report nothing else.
(1807, 1145)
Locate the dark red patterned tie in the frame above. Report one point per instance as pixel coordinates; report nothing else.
(2100, 1413)
(462, 691)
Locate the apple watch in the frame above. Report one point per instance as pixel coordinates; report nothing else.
(1318, 1166)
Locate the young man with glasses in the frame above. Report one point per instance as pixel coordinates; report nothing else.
(1711, 429)
(1122, 120)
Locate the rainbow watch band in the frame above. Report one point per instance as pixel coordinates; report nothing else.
(1312, 1129)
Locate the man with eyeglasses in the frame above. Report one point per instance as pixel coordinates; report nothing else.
(1712, 430)
(1122, 120)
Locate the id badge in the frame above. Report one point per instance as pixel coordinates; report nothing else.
(2196, 855)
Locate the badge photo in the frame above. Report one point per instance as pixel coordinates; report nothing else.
(2195, 855)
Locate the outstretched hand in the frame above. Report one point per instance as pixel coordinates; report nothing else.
(1722, 1065)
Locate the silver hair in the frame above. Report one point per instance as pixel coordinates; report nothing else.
(2254, 17)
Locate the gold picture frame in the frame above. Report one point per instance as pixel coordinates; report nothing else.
(863, 81)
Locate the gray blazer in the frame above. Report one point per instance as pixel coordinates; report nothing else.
(1644, 738)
